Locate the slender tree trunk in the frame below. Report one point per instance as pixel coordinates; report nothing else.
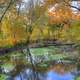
(32, 63)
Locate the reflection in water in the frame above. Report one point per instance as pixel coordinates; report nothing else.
(56, 76)
(59, 72)
(56, 72)
(51, 75)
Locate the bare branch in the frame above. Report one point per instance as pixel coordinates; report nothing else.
(75, 7)
(10, 3)
(68, 4)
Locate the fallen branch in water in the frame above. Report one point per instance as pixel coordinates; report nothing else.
(22, 46)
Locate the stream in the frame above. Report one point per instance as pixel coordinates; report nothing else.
(51, 63)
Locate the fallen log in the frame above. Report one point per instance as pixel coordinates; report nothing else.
(21, 46)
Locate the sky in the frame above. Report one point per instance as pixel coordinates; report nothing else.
(74, 3)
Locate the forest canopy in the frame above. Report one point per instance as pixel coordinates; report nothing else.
(24, 21)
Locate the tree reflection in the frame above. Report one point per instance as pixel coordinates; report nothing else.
(58, 72)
